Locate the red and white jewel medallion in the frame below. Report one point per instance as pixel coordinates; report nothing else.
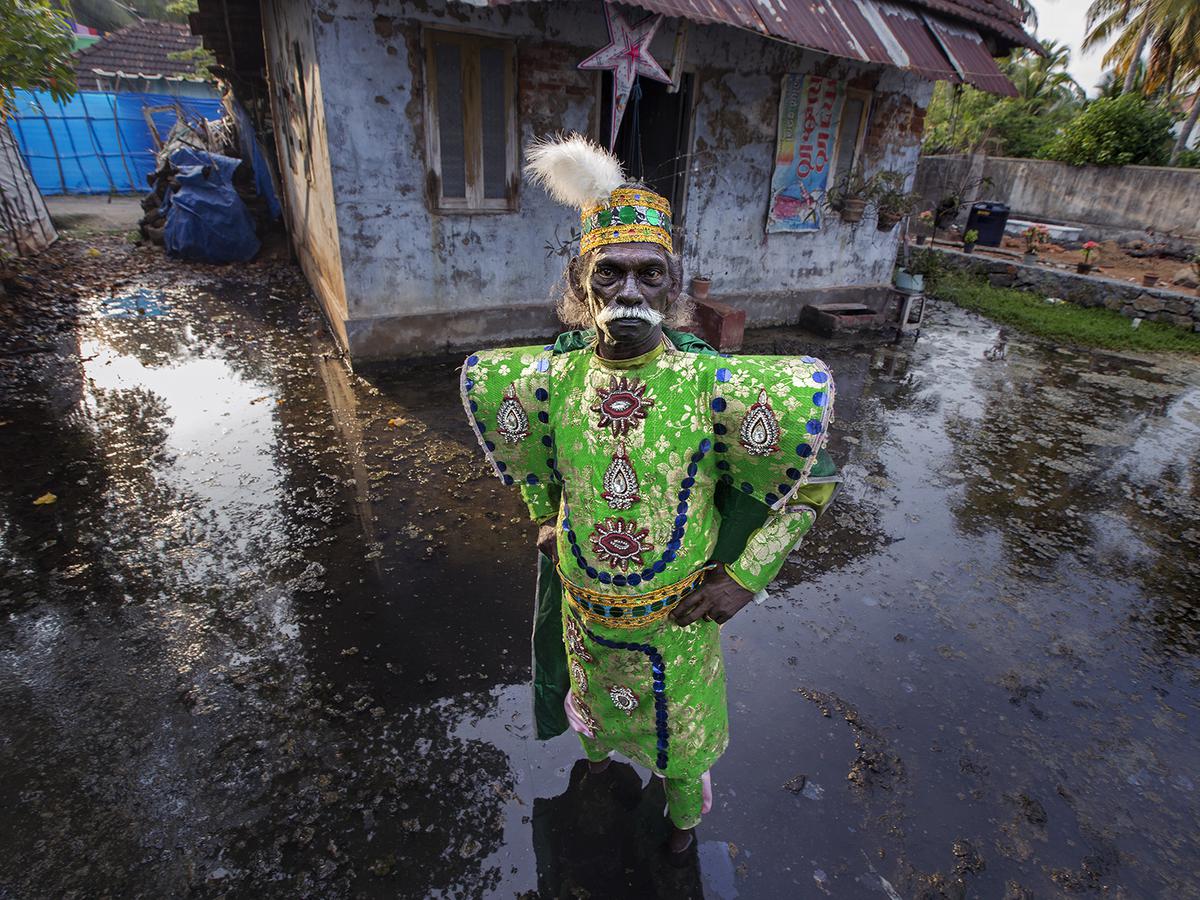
(620, 481)
(760, 429)
(511, 420)
(623, 404)
(620, 543)
(623, 698)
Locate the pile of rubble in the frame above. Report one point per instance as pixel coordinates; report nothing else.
(204, 156)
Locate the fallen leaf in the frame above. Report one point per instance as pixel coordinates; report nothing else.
(92, 251)
(45, 500)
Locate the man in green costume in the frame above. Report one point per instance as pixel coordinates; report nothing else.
(671, 483)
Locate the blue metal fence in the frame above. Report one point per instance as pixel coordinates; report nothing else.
(96, 142)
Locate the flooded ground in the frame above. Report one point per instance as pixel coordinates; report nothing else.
(271, 637)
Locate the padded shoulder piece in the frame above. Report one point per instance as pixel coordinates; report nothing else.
(506, 394)
(771, 415)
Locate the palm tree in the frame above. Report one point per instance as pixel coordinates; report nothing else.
(1171, 30)
(1043, 81)
(1124, 20)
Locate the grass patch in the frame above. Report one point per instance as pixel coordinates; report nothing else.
(1063, 322)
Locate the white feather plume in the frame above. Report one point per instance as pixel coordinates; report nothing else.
(573, 170)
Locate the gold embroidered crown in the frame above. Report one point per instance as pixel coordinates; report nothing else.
(577, 172)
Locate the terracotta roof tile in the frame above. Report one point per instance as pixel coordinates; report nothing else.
(140, 48)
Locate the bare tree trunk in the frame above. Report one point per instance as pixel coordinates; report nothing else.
(1131, 71)
(1186, 131)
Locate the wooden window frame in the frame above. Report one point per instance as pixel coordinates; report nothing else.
(868, 99)
(469, 44)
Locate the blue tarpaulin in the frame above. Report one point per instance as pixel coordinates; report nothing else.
(96, 142)
(206, 219)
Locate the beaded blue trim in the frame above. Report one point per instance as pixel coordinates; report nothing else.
(804, 450)
(673, 545)
(658, 670)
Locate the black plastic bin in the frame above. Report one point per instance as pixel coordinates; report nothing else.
(989, 220)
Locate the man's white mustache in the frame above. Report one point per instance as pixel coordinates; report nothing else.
(609, 313)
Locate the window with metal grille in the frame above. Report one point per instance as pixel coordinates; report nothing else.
(471, 121)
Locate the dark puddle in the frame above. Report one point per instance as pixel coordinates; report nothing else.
(271, 639)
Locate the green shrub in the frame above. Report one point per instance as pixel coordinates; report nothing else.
(1116, 131)
(1188, 159)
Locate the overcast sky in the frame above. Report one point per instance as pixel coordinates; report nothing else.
(1066, 22)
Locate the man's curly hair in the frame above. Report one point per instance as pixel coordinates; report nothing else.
(572, 305)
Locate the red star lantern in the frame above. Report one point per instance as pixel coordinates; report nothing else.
(628, 56)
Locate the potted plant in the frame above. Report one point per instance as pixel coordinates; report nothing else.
(1086, 265)
(955, 199)
(925, 221)
(892, 202)
(849, 197)
(1034, 236)
(700, 287)
(924, 266)
(969, 240)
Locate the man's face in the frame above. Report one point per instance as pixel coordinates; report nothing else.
(628, 289)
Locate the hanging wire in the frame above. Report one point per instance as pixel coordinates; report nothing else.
(636, 158)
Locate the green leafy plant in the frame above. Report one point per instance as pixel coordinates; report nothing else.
(927, 262)
(892, 202)
(35, 51)
(971, 237)
(201, 58)
(1034, 236)
(962, 119)
(852, 186)
(1065, 322)
(1119, 131)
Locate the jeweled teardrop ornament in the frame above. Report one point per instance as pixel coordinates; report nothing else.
(760, 429)
(620, 481)
(511, 421)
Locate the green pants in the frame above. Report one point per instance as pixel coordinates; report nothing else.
(685, 796)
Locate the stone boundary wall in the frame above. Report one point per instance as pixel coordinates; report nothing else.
(1131, 300)
(1111, 199)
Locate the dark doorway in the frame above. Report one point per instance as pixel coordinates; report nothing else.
(654, 136)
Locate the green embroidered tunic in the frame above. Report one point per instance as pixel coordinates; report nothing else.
(631, 458)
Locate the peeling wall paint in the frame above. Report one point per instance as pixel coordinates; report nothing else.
(400, 261)
(298, 107)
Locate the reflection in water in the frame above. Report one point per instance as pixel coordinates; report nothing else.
(603, 836)
(273, 637)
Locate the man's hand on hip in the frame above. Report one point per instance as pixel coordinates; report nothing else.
(547, 540)
(719, 598)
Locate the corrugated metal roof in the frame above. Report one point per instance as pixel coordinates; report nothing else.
(876, 31)
(999, 17)
(890, 32)
(970, 56)
(914, 47)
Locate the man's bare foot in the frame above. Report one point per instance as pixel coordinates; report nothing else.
(680, 840)
(597, 767)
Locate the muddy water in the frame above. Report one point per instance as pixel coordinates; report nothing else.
(271, 639)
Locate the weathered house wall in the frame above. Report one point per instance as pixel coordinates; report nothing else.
(416, 281)
(299, 110)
